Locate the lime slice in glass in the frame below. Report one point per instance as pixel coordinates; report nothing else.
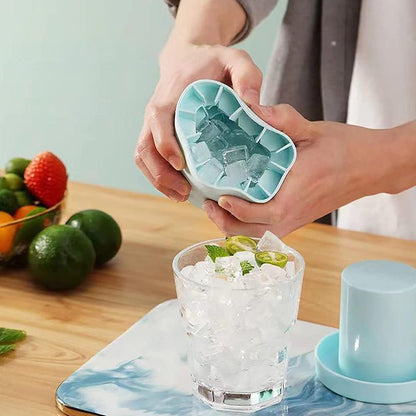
(240, 243)
(271, 257)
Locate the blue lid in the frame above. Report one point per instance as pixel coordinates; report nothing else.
(380, 276)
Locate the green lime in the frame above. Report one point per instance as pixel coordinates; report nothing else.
(61, 257)
(17, 166)
(8, 201)
(15, 181)
(3, 183)
(101, 229)
(271, 257)
(24, 198)
(240, 243)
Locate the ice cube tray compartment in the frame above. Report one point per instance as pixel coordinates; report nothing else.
(208, 180)
(282, 158)
(246, 123)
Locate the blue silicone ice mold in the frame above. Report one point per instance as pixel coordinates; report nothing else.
(205, 93)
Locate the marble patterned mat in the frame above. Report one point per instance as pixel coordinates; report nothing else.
(144, 373)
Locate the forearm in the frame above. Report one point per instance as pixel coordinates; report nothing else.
(382, 160)
(402, 157)
(208, 22)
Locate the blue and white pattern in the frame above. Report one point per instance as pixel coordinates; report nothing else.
(144, 373)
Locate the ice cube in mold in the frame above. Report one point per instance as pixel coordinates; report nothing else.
(200, 152)
(237, 172)
(257, 165)
(234, 154)
(228, 149)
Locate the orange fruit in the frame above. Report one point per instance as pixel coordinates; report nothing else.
(24, 211)
(7, 233)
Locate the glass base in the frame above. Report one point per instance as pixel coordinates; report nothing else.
(240, 402)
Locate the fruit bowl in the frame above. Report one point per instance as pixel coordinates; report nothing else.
(16, 236)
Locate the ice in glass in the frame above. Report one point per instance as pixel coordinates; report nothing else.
(239, 299)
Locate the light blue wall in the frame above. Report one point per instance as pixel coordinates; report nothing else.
(75, 77)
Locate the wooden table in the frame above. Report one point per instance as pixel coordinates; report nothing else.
(65, 330)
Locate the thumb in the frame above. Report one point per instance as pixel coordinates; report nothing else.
(246, 77)
(286, 119)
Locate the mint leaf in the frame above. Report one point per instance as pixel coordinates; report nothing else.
(6, 348)
(246, 267)
(9, 336)
(216, 251)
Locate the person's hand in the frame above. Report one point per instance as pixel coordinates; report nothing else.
(336, 164)
(157, 153)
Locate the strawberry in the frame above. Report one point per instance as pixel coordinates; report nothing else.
(46, 178)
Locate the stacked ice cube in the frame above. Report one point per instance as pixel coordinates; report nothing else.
(225, 152)
(228, 272)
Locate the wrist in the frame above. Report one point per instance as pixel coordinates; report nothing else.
(386, 161)
(178, 50)
(402, 156)
(368, 163)
(210, 22)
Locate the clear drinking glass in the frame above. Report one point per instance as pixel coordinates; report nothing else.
(237, 338)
